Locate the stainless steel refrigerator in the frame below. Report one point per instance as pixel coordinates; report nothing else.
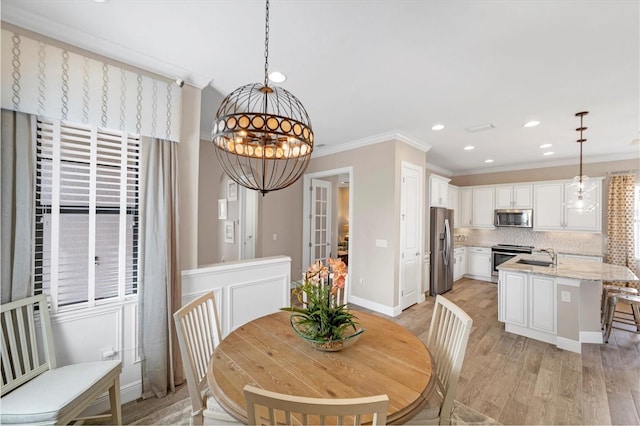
(441, 244)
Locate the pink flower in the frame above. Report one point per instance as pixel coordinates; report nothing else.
(316, 272)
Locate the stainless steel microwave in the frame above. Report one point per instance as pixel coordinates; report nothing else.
(520, 218)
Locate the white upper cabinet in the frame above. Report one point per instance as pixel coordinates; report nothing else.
(514, 197)
(550, 212)
(548, 200)
(483, 207)
(438, 191)
(454, 204)
(548, 209)
(466, 212)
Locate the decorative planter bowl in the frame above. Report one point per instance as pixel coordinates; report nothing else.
(351, 336)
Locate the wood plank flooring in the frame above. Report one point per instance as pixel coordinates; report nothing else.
(514, 379)
(517, 380)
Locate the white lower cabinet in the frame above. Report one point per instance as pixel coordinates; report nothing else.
(459, 263)
(590, 258)
(513, 295)
(529, 303)
(479, 263)
(542, 304)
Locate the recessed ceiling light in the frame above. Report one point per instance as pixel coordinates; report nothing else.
(532, 123)
(548, 153)
(277, 77)
(488, 160)
(469, 147)
(101, 1)
(545, 145)
(437, 127)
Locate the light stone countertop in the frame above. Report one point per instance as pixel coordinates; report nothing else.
(572, 268)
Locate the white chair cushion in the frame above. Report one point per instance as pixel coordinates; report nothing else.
(45, 398)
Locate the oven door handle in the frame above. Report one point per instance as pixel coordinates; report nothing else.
(509, 253)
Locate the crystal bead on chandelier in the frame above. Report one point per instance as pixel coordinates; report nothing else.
(262, 134)
(581, 199)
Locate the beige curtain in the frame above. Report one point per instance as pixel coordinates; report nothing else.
(159, 292)
(17, 170)
(620, 248)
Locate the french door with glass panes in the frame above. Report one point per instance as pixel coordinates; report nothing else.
(320, 218)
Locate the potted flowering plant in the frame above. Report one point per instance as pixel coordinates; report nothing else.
(322, 319)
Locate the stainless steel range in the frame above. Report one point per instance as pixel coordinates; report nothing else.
(503, 252)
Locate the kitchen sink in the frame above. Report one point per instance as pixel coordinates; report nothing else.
(535, 262)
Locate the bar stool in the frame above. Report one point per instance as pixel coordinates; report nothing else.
(607, 290)
(612, 301)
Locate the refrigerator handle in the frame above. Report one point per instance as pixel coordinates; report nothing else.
(447, 242)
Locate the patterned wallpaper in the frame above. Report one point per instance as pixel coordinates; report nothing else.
(38, 78)
(563, 242)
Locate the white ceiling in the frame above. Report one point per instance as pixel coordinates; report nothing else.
(364, 69)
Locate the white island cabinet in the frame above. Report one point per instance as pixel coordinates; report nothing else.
(555, 304)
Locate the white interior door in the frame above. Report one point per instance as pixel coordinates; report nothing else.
(248, 223)
(410, 235)
(320, 238)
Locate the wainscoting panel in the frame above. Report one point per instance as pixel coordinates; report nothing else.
(244, 290)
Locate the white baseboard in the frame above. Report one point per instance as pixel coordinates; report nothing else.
(386, 310)
(568, 344)
(591, 337)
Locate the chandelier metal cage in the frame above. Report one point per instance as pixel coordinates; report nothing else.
(262, 134)
(581, 198)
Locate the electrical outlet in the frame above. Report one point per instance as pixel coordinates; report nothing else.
(565, 296)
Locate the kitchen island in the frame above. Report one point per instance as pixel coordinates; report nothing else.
(557, 304)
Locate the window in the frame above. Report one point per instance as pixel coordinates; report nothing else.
(86, 247)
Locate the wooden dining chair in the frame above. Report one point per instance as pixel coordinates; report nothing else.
(447, 342)
(271, 408)
(34, 389)
(198, 331)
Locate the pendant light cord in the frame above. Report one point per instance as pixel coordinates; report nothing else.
(581, 141)
(266, 45)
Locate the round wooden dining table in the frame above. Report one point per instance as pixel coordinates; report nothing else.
(267, 353)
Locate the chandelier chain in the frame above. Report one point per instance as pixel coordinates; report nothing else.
(266, 45)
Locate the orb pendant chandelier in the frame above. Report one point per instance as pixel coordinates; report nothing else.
(262, 134)
(581, 198)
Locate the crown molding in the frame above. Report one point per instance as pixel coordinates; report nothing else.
(372, 140)
(558, 163)
(100, 46)
(440, 170)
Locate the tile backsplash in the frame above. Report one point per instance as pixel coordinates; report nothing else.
(563, 242)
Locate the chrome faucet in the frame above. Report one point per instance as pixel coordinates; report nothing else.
(552, 254)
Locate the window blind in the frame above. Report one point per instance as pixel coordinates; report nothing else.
(86, 213)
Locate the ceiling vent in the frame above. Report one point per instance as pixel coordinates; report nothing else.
(480, 128)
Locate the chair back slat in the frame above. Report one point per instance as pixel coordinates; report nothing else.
(266, 407)
(447, 341)
(20, 344)
(198, 331)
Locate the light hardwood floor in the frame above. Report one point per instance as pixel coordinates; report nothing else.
(517, 380)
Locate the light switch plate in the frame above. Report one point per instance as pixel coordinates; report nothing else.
(565, 296)
(381, 243)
